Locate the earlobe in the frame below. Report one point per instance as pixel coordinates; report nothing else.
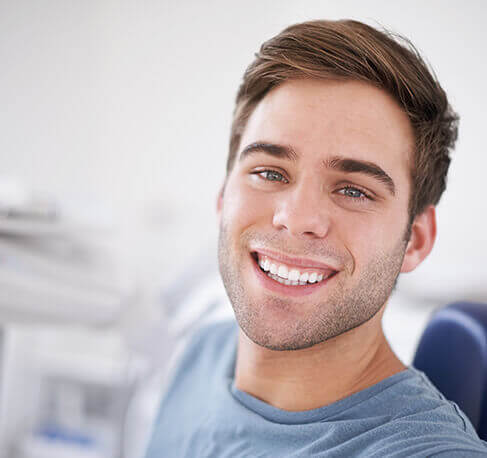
(423, 235)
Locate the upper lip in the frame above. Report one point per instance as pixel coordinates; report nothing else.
(298, 262)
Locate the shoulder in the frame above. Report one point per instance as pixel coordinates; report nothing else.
(205, 355)
(424, 423)
(208, 345)
(416, 398)
(212, 336)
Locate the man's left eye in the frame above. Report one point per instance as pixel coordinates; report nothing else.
(354, 193)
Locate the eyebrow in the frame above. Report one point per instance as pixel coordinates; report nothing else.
(279, 151)
(358, 166)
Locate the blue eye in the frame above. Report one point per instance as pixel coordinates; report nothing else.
(354, 193)
(272, 175)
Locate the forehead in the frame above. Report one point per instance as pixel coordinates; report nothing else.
(320, 119)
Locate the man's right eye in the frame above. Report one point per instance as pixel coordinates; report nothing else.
(271, 175)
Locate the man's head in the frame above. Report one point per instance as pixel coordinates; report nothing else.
(351, 50)
(339, 149)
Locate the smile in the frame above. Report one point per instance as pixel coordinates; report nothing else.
(287, 276)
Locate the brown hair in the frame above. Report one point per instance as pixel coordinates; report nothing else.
(351, 50)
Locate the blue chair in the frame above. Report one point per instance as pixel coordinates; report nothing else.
(453, 353)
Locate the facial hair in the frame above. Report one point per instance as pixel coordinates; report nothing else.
(348, 304)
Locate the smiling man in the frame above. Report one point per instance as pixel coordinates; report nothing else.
(338, 155)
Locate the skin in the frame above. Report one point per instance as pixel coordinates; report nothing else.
(300, 353)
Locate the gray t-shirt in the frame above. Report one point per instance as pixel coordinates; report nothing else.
(204, 415)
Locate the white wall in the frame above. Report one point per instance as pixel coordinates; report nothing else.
(128, 104)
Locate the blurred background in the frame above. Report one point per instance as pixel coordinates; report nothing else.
(114, 126)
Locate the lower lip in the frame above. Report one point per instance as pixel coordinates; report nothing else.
(287, 290)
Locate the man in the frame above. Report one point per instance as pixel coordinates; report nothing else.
(338, 155)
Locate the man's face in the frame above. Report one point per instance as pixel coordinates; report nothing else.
(318, 196)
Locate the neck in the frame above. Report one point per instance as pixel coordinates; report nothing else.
(316, 376)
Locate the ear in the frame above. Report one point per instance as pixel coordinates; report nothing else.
(423, 235)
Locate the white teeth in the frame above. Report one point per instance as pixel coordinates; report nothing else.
(282, 272)
(287, 276)
(293, 275)
(287, 281)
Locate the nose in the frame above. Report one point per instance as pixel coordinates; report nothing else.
(304, 211)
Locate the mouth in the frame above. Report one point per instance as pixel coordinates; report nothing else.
(290, 277)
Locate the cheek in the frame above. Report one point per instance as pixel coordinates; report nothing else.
(370, 235)
(244, 207)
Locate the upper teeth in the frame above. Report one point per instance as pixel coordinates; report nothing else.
(290, 273)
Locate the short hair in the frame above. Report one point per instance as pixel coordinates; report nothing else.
(351, 50)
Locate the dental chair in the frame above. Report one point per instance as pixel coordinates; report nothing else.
(452, 352)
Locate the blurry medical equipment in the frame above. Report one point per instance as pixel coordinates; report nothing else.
(62, 394)
(453, 353)
(81, 396)
(51, 267)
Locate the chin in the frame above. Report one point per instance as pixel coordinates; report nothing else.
(280, 335)
(281, 342)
